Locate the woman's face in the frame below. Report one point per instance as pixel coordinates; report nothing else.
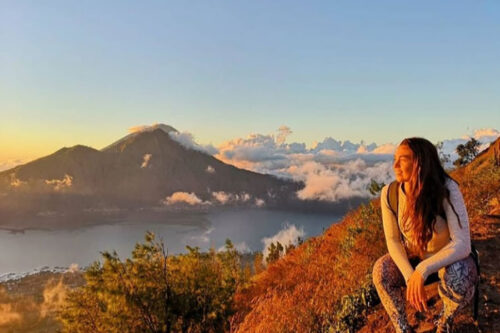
(403, 163)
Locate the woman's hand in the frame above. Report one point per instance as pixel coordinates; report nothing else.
(415, 292)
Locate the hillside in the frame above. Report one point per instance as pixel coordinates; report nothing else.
(325, 284)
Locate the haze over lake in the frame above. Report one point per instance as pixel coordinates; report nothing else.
(23, 252)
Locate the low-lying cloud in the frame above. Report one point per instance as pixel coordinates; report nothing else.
(185, 198)
(16, 182)
(60, 184)
(331, 170)
(186, 139)
(223, 198)
(338, 181)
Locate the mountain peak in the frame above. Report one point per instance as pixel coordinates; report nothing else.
(149, 128)
(76, 149)
(137, 130)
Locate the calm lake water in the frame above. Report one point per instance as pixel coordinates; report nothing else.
(24, 252)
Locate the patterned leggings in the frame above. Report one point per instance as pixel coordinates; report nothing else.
(456, 289)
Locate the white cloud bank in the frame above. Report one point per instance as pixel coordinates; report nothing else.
(331, 169)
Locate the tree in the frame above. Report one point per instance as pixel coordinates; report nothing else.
(467, 152)
(444, 158)
(154, 292)
(275, 252)
(374, 188)
(258, 264)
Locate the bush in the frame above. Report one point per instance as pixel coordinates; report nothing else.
(154, 292)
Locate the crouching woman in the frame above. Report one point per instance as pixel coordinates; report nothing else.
(427, 232)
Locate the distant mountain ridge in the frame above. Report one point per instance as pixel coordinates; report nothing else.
(138, 171)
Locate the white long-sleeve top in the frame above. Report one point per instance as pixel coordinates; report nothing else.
(449, 241)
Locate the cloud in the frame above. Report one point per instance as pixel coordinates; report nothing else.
(9, 164)
(267, 154)
(146, 128)
(60, 184)
(334, 182)
(16, 182)
(204, 238)
(320, 167)
(259, 202)
(145, 160)
(186, 139)
(254, 149)
(387, 148)
(139, 128)
(223, 198)
(489, 134)
(245, 197)
(184, 197)
(286, 236)
(331, 169)
(283, 132)
(73, 268)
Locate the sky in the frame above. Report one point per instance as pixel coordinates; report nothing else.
(84, 72)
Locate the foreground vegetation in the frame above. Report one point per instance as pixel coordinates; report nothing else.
(154, 292)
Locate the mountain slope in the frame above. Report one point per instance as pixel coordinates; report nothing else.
(325, 284)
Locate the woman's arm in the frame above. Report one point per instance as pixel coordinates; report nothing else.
(393, 237)
(459, 245)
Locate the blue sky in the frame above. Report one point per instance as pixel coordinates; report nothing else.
(82, 72)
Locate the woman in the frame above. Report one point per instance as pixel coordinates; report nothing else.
(431, 230)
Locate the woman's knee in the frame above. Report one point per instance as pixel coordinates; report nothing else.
(384, 270)
(460, 277)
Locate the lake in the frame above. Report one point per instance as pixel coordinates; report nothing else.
(31, 249)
